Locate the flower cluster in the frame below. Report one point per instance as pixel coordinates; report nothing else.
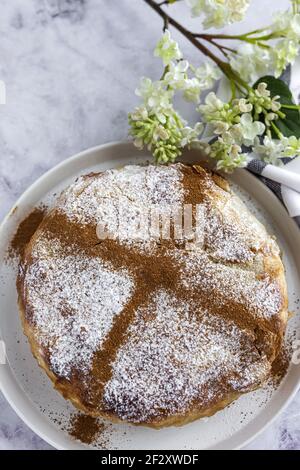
(256, 56)
(264, 106)
(160, 131)
(155, 124)
(273, 150)
(261, 117)
(250, 61)
(234, 125)
(167, 49)
(218, 13)
(242, 122)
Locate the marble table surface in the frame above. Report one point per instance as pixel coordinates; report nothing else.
(70, 68)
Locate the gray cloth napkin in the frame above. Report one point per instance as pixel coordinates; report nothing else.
(257, 167)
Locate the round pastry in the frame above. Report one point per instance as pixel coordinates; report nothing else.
(150, 294)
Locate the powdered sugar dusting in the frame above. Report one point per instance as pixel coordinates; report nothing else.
(225, 240)
(261, 296)
(175, 355)
(74, 300)
(132, 185)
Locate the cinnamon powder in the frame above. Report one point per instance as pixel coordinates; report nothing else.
(195, 181)
(85, 428)
(150, 271)
(25, 231)
(280, 365)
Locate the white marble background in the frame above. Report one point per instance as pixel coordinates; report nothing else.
(70, 68)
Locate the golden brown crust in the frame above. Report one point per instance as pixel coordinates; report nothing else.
(266, 329)
(66, 390)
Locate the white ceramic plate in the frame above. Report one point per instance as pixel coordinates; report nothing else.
(29, 391)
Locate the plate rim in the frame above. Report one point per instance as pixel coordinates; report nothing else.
(7, 372)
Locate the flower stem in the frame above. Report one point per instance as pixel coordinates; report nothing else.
(185, 32)
(224, 66)
(221, 48)
(167, 2)
(295, 6)
(290, 106)
(276, 130)
(239, 37)
(281, 114)
(233, 90)
(256, 31)
(166, 70)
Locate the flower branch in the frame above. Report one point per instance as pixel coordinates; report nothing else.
(185, 32)
(262, 116)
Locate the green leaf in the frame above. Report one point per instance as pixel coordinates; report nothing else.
(291, 124)
(277, 87)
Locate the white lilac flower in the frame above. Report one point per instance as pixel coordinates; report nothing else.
(247, 130)
(251, 61)
(218, 13)
(291, 146)
(237, 9)
(286, 24)
(160, 133)
(271, 151)
(207, 74)
(262, 102)
(212, 107)
(167, 49)
(192, 90)
(269, 118)
(190, 135)
(161, 136)
(176, 75)
(243, 105)
(140, 113)
(228, 155)
(221, 115)
(262, 90)
(281, 22)
(294, 31)
(197, 6)
(283, 54)
(154, 94)
(220, 127)
(177, 79)
(231, 161)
